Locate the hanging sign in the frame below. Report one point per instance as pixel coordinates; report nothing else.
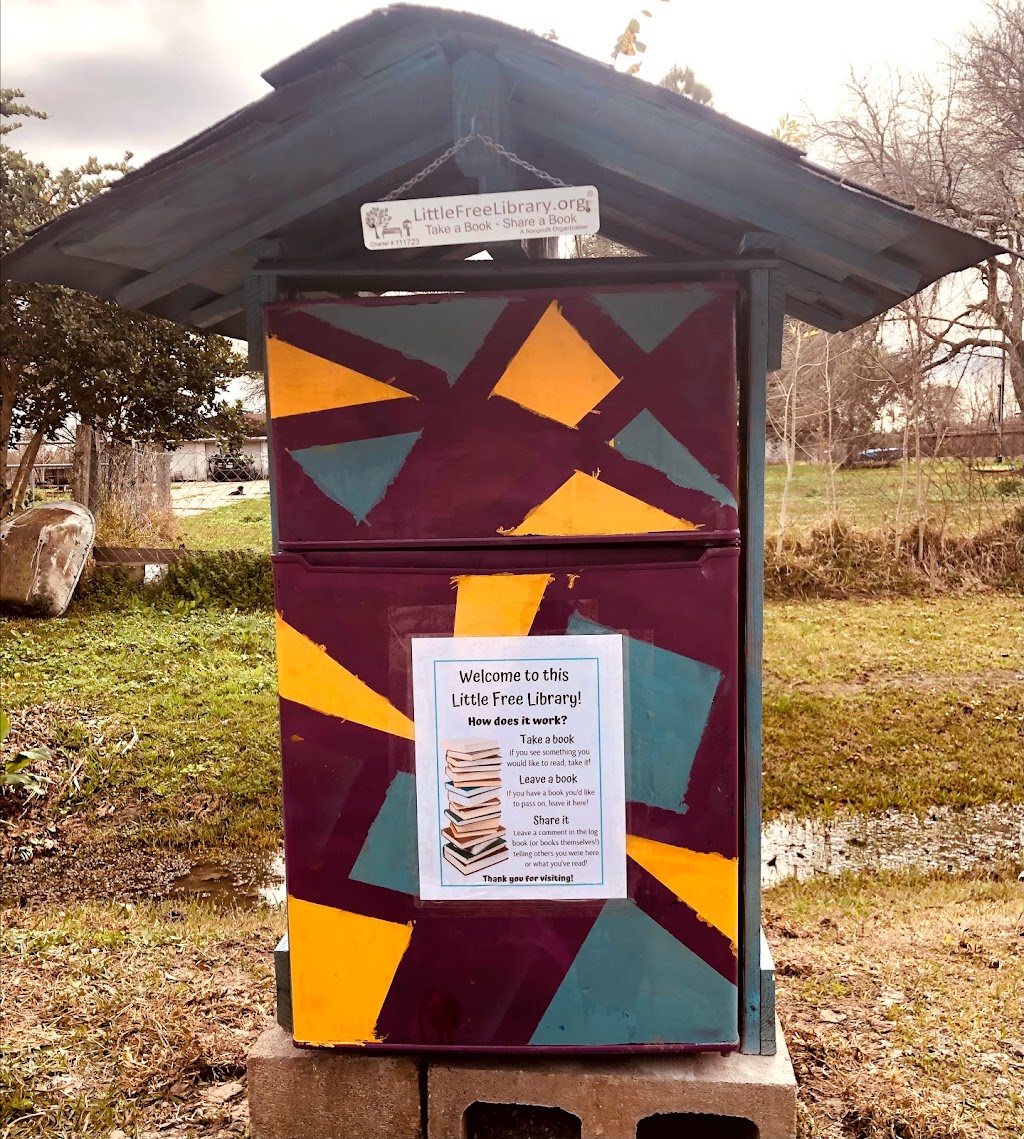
(520, 786)
(480, 218)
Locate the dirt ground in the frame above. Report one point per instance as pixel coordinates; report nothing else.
(900, 995)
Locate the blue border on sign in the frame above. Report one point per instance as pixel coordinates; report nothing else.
(437, 771)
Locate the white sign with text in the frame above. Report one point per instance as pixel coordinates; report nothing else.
(480, 218)
(520, 785)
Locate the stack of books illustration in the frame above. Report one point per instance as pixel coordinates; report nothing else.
(474, 838)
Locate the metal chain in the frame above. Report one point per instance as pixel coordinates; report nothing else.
(455, 148)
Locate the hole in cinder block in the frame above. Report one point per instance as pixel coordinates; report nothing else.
(519, 1121)
(693, 1125)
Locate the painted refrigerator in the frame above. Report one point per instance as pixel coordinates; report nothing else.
(533, 464)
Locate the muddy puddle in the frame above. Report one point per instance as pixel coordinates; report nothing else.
(942, 839)
(257, 885)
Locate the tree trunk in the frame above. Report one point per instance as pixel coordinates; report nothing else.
(23, 474)
(81, 472)
(8, 387)
(789, 442)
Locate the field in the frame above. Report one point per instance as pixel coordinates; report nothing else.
(958, 501)
(129, 1008)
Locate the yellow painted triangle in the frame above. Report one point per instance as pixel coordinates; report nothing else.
(301, 382)
(585, 505)
(342, 966)
(707, 883)
(556, 373)
(308, 675)
(498, 604)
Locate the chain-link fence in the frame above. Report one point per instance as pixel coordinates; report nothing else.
(960, 482)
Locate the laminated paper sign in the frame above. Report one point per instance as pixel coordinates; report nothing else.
(520, 785)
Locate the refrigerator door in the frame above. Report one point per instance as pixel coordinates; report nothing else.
(550, 413)
(373, 965)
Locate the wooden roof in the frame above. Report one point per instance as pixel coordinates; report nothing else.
(357, 112)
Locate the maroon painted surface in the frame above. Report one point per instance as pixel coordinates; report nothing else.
(337, 773)
(486, 462)
(363, 591)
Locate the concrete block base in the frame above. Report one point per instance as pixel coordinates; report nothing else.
(623, 1097)
(310, 1093)
(318, 1093)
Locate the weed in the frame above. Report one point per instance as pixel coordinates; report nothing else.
(117, 524)
(236, 579)
(838, 561)
(15, 778)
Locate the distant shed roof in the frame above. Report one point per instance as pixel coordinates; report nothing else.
(355, 113)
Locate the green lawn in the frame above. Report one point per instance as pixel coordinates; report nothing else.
(164, 722)
(169, 718)
(237, 526)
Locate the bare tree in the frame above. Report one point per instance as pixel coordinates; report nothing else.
(953, 147)
(826, 401)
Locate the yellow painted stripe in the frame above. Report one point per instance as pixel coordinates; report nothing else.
(342, 965)
(556, 373)
(301, 382)
(498, 604)
(585, 505)
(308, 675)
(707, 883)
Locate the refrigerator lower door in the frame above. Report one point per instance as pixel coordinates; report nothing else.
(374, 966)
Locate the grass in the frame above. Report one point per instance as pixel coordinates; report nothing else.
(896, 748)
(903, 703)
(237, 526)
(815, 642)
(900, 994)
(957, 500)
(168, 718)
(163, 722)
(125, 1016)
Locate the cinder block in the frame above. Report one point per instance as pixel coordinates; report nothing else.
(320, 1093)
(611, 1095)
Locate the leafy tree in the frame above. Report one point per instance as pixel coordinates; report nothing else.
(68, 355)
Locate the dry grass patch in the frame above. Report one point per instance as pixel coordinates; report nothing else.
(901, 997)
(132, 1017)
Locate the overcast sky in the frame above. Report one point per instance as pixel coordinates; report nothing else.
(143, 75)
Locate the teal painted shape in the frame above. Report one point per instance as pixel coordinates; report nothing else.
(632, 982)
(649, 317)
(446, 335)
(357, 474)
(670, 698)
(388, 856)
(648, 441)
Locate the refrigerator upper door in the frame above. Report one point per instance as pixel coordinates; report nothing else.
(374, 966)
(552, 413)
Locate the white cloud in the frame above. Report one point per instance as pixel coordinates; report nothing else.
(145, 74)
